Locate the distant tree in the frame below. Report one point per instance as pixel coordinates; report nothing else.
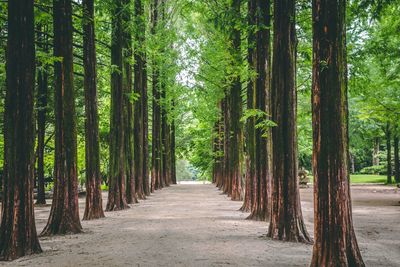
(94, 201)
(235, 108)
(141, 152)
(156, 171)
(260, 209)
(388, 133)
(250, 124)
(41, 106)
(117, 176)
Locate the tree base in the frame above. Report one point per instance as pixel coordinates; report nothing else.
(296, 235)
(8, 254)
(65, 227)
(93, 215)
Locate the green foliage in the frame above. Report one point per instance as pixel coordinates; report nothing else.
(379, 169)
(197, 65)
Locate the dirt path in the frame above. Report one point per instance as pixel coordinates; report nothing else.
(193, 225)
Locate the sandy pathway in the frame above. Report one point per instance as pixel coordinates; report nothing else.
(193, 225)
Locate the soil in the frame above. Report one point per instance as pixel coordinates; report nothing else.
(194, 225)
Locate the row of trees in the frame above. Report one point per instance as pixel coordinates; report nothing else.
(271, 155)
(128, 166)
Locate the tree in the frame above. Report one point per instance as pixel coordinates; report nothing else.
(388, 133)
(156, 171)
(250, 124)
(286, 217)
(128, 105)
(235, 108)
(94, 201)
(117, 195)
(18, 235)
(173, 148)
(41, 103)
(141, 152)
(396, 158)
(64, 214)
(335, 241)
(260, 209)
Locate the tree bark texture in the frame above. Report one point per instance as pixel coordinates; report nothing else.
(250, 124)
(260, 209)
(94, 201)
(41, 104)
(286, 222)
(141, 107)
(117, 177)
(335, 242)
(156, 172)
(128, 103)
(18, 235)
(64, 214)
(236, 137)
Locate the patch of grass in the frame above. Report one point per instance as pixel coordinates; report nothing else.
(368, 179)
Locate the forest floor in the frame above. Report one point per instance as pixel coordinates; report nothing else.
(194, 225)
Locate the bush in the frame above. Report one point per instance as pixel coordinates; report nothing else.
(380, 169)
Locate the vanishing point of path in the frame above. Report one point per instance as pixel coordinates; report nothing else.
(194, 225)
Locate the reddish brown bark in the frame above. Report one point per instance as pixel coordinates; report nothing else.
(335, 241)
(173, 149)
(260, 203)
(64, 214)
(94, 201)
(236, 142)
(389, 168)
(286, 217)
(226, 185)
(128, 104)
(250, 124)
(41, 104)
(117, 194)
(18, 235)
(141, 152)
(156, 172)
(396, 158)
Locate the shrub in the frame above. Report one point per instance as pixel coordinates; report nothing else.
(380, 169)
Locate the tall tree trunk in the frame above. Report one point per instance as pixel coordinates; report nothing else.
(165, 138)
(139, 84)
(156, 179)
(260, 209)
(335, 241)
(64, 214)
(18, 235)
(42, 84)
(250, 124)
(389, 153)
(94, 201)
(375, 155)
(173, 149)
(235, 147)
(226, 185)
(218, 170)
(117, 195)
(141, 108)
(286, 217)
(128, 105)
(396, 158)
